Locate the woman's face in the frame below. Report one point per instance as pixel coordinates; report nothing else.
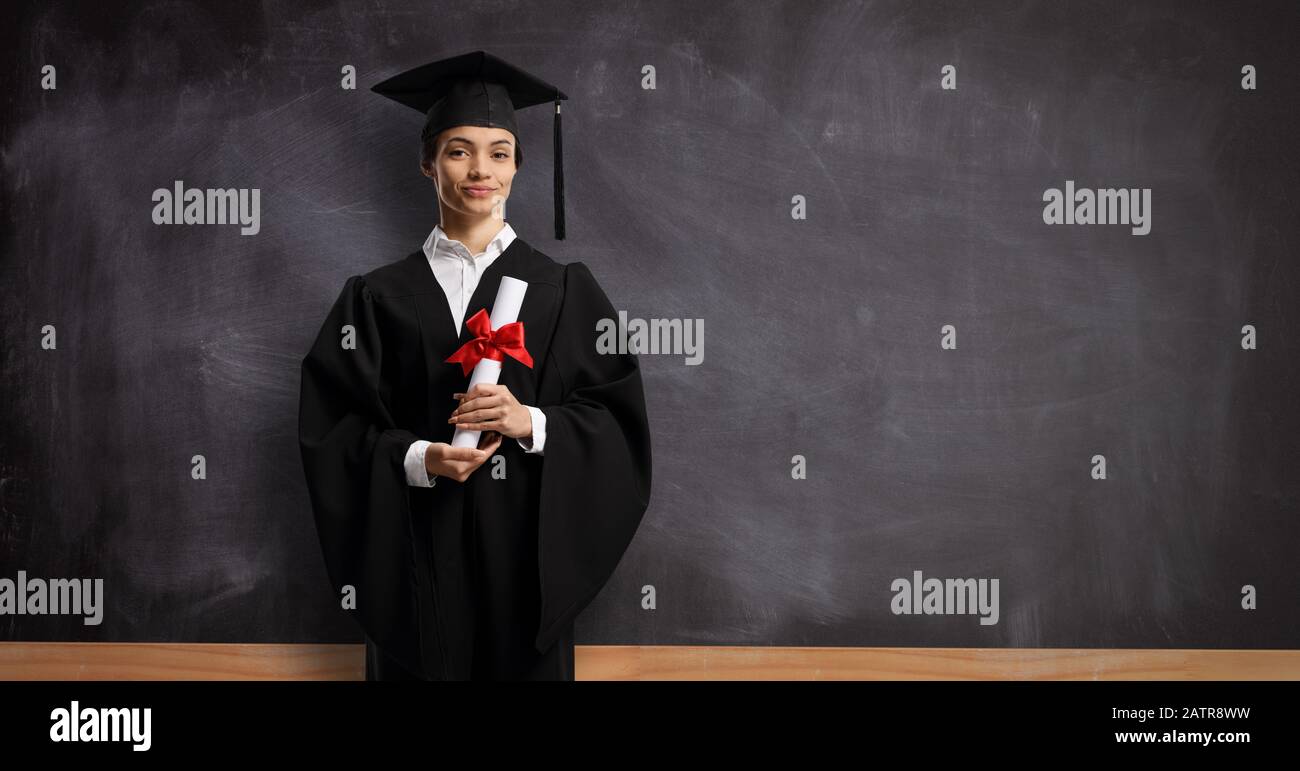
(473, 168)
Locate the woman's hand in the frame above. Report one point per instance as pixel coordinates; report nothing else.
(459, 462)
(492, 407)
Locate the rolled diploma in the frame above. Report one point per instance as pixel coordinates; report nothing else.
(505, 310)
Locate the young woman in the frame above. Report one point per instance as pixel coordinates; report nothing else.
(461, 563)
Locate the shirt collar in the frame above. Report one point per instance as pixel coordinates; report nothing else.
(439, 243)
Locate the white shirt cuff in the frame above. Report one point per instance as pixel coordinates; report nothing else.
(537, 442)
(416, 474)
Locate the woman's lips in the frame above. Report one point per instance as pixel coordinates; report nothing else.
(480, 192)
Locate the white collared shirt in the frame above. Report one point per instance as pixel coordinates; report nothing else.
(458, 273)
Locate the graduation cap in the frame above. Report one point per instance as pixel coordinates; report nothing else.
(477, 89)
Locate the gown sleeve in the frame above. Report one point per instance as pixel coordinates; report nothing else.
(596, 470)
(353, 457)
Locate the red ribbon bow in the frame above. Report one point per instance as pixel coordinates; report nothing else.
(490, 344)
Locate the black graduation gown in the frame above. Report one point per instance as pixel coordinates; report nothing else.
(480, 580)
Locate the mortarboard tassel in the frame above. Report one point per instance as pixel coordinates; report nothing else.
(559, 176)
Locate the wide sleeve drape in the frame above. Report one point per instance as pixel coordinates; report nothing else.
(597, 467)
(353, 458)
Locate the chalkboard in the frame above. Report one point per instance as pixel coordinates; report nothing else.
(904, 366)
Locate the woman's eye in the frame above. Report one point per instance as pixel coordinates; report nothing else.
(502, 155)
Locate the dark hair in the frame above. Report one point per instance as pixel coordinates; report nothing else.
(429, 148)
